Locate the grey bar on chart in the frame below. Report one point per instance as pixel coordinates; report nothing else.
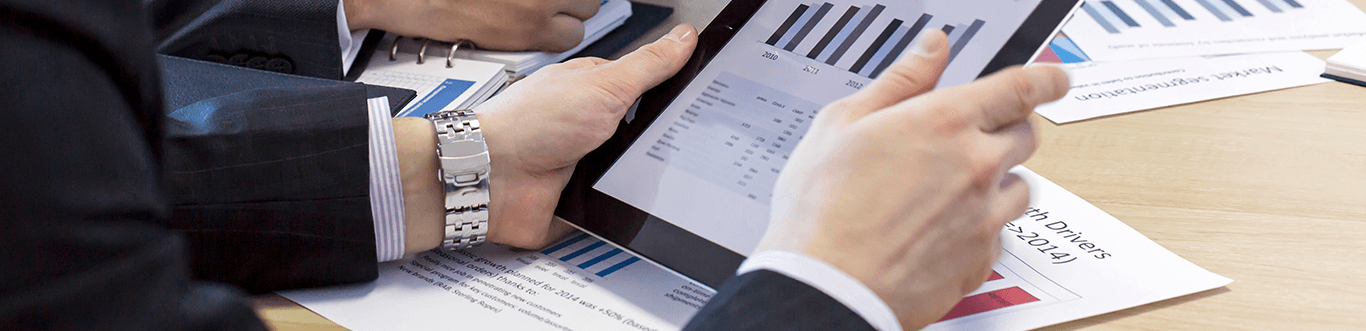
(1156, 14)
(820, 13)
(900, 46)
(1293, 3)
(1179, 11)
(782, 29)
(948, 29)
(877, 44)
(1270, 6)
(884, 50)
(1238, 8)
(1120, 12)
(963, 39)
(834, 31)
(844, 33)
(957, 31)
(853, 36)
(1100, 19)
(1214, 10)
(792, 32)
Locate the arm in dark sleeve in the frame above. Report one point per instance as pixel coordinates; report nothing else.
(270, 187)
(295, 36)
(84, 247)
(766, 300)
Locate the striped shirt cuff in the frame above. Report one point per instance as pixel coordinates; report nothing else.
(829, 280)
(386, 187)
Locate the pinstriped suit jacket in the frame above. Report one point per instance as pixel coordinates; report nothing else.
(121, 214)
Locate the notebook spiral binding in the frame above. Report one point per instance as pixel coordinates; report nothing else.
(422, 52)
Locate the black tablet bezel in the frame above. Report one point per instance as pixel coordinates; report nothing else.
(679, 249)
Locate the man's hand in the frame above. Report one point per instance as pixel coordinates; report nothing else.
(509, 25)
(907, 190)
(537, 130)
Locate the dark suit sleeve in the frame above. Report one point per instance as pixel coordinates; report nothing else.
(270, 187)
(82, 239)
(294, 36)
(766, 300)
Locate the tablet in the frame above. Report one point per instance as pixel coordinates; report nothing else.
(687, 178)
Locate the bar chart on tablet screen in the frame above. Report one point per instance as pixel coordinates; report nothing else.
(889, 41)
(1112, 30)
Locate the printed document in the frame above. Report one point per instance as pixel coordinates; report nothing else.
(1146, 29)
(1108, 88)
(1063, 260)
(581, 283)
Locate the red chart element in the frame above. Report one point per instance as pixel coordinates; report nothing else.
(989, 301)
(994, 276)
(1048, 56)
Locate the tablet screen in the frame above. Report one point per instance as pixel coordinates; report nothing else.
(708, 164)
(687, 179)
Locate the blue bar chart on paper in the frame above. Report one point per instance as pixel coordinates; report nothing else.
(591, 254)
(833, 46)
(1116, 30)
(1167, 13)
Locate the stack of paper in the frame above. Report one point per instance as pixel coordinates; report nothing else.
(612, 15)
(1349, 65)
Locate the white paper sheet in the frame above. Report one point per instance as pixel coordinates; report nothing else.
(583, 283)
(1108, 88)
(1064, 260)
(1067, 260)
(1121, 30)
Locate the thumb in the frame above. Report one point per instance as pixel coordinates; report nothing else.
(650, 65)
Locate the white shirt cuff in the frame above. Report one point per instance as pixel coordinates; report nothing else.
(827, 279)
(349, 42)
(386, 186)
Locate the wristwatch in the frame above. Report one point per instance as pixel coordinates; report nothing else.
(465, 176)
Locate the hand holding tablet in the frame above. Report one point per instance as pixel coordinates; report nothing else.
(540, 127)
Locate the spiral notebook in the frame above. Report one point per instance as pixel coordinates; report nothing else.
(441, 83)
(456, 75)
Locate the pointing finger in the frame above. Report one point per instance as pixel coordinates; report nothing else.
(916, 73)
(1008, 97)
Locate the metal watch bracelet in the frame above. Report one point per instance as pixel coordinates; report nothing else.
(464, 175)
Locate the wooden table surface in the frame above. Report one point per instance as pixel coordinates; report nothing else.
(1268, 189)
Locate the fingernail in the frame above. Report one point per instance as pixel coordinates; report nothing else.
(680, 33)
(926, 45)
